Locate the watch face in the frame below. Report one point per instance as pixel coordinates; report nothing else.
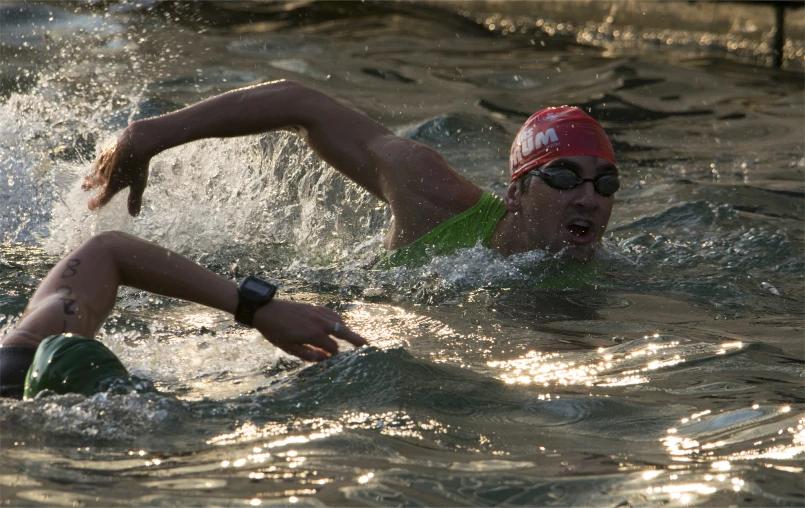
(257, 289)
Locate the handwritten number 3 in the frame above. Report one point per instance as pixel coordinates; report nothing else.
(71, 269)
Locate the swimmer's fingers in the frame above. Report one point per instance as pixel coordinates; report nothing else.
(306, 353)
(136, 190)
(339, 330)
(292, 325)
(97, 177)
(344, 333)
(324, 343)
(115, 169)
(116, 183)
(104, 196)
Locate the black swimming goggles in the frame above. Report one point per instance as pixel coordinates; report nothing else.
(565, 179)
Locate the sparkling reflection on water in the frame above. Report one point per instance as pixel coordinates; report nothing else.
(669, 370)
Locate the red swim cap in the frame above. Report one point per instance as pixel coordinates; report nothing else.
(557, 132)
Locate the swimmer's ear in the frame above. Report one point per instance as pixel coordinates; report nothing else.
(513, 195)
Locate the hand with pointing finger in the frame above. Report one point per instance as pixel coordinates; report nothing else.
(303, 330)
(120, 166)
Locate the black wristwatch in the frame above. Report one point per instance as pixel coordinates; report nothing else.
(253, 293)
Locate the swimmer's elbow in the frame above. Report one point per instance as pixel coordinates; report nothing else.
(295, 103)
(108, 242)
(107, 237)
(287, 89)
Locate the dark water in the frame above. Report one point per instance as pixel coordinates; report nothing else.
(669, 371)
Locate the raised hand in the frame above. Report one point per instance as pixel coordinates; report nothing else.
(305, 331)
(120, 166)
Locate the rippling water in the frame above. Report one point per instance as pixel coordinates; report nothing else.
(668, 371)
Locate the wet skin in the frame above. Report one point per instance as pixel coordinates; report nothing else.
(421, 188)
(568, 221)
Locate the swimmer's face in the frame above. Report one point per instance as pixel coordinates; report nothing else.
(570, 221)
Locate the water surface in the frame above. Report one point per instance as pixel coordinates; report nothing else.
(668, 371)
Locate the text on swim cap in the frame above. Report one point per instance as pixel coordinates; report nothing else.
(527, 142)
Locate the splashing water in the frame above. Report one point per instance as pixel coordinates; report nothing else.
(666, 372)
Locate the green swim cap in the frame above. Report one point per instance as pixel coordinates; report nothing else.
(69, 363)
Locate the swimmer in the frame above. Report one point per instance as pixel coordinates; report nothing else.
(55, 333)
(562, 171)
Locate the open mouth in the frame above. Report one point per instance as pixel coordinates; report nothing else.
(580, 227)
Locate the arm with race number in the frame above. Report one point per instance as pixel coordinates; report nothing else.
(80, 291)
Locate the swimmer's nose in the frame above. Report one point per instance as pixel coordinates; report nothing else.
(586, 196)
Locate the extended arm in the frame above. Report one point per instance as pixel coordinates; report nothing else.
(338, 134)
(80, 292)
(415, 180)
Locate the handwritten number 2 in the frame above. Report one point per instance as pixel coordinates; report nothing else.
(67, 299)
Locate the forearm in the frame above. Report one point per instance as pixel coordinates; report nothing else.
(252, 110)
(339, 135)
(81, 290)
(149, 267)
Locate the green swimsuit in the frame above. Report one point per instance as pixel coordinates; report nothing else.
(460, 232)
